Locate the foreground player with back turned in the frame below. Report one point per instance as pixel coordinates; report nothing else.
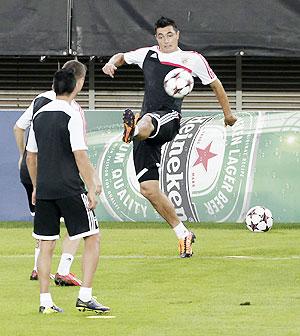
(160, 118)
(56, 155)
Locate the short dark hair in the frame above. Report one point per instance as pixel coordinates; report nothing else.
(64, 82)
(164, 22)
(78, 68)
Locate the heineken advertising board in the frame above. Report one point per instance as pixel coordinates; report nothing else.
(209, 172)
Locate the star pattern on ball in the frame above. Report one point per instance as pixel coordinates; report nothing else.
(253, 226)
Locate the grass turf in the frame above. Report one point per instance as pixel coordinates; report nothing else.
(152, 292)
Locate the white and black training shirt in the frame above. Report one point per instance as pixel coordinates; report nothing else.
(57, 131)
(156, 64)
(26, 118)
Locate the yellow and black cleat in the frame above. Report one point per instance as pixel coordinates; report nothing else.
(129, 121)
(50, 310)
(185, 245)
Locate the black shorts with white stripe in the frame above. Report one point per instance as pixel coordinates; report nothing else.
(80, 221)
(147, 153)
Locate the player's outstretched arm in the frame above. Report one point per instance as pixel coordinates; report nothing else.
(111, 66)
(229, 118)
(87, 172)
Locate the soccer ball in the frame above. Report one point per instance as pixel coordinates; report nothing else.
(259, 219)
(178, 83)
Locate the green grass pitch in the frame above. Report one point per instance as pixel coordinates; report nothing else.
(152, 292)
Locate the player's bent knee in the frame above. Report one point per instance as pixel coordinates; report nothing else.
(148, 193)
(145, 127)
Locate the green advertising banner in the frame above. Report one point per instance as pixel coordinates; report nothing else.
(209, 172)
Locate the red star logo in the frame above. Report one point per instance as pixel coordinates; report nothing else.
(203, 156)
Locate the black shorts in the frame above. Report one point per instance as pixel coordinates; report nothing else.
(147, 153)
(79, 220)
(29, 189)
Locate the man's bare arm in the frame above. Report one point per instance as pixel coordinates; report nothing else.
(221, 95)
(111, 66)
(19, 136)
(31, 161)
(87, 172)
(98, 183)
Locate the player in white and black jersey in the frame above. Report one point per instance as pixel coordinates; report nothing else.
(57, 159)
(63, 276)
(160, 117)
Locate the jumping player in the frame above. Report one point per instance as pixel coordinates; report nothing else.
(160, 117)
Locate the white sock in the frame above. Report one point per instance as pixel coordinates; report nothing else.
(65, 263)
(136, 131)
(46, 300)
(85, 294)
(181, 231)
(36, 255)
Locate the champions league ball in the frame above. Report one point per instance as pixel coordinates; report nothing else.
(259, 219)
(178, 83)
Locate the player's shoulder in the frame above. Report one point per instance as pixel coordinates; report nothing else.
(72, 109)
(47, 94)
(144, 49)
(154, 48)
(75, 105)
(193, 54)
(57, 105)
(65, 106)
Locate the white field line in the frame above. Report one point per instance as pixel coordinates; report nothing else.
(100, 317)
(240, 257)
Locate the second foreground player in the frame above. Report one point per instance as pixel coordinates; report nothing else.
(56, 155)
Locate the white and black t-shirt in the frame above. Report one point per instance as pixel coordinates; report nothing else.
(41, 100)
(156, 64)
(57, 130)
(26, 118)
